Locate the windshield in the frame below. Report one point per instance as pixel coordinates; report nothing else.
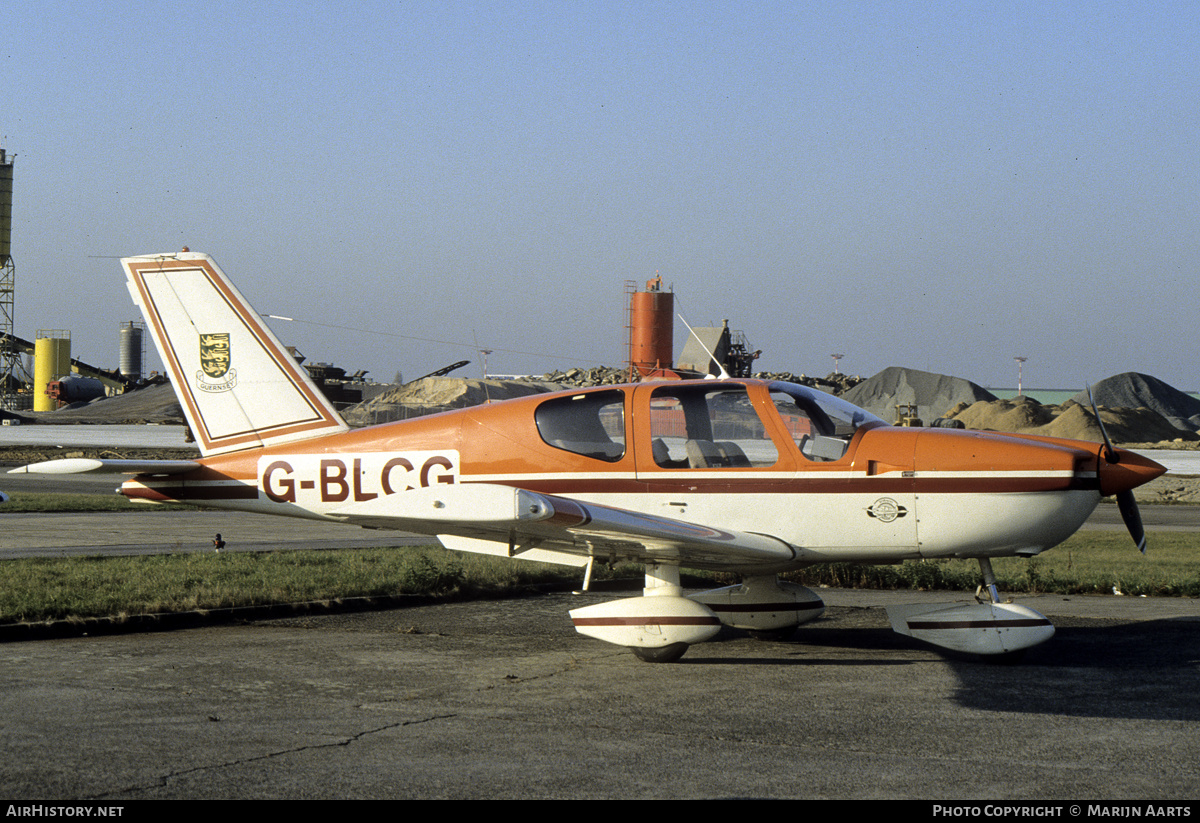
(821, 424)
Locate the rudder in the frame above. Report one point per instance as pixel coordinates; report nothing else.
(238, 385)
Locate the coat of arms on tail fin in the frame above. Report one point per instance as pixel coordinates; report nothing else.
(238, 386)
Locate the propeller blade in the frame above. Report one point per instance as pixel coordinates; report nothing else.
(1132, 518)
(1125, 500)
(1110, 454)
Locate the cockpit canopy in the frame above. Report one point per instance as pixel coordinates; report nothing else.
(718, 426)
(704, 425)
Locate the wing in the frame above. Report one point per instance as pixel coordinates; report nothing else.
(497, 519)
(80, 465)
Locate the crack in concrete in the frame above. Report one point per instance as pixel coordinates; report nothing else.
(166, 779)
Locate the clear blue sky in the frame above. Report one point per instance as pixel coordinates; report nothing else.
(935, 185)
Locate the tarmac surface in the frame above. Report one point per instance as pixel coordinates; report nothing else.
(504, 700)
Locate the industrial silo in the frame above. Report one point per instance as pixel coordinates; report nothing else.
(131, 349)
(51, 360)
(651, 329)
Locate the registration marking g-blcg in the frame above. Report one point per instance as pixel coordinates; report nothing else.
(315, 479)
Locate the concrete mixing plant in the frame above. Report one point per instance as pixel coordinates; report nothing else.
(13, 376)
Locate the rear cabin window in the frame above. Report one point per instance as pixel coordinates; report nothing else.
(700, 428)
(591, 424)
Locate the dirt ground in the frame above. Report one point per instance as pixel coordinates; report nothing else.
(1170, 489)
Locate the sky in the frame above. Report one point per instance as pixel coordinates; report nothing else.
(938, 185)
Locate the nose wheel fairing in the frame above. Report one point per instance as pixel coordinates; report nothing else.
(986, 628)
(974, 628)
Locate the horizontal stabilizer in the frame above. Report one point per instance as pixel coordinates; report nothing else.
(80, 465)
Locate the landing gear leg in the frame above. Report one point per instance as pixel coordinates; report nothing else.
(989, 582)
(993, 596)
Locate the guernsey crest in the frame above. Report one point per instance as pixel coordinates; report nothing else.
(216, 359)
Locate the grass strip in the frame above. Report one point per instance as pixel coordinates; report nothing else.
(34, 502)
(41, 589)
(1088, 563)
(62, 588)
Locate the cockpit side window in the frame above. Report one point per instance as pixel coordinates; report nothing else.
(700, 428)
(821, 425)
(590, 424)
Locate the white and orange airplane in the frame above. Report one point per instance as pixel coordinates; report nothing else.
(745, 476)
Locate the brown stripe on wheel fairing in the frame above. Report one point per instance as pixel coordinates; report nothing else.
(1025, 623)
(745, 608)
(646, 621)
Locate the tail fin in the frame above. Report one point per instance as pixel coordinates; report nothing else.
(239, 388)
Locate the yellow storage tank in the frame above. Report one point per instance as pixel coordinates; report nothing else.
(51, 360)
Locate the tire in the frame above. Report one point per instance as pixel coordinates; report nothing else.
(1006, 659)
(662, 654)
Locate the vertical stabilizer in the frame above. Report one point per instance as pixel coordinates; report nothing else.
(238, 386)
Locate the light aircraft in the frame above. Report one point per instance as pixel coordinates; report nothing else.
(745, 476)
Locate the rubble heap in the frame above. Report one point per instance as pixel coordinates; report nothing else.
(581, 378)
(1132, 390)
(834, 382)
(1135, 408)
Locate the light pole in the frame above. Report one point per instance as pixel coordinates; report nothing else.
(1020, 367)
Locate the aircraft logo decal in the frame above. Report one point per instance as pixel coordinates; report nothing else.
(885, 510)
(216, 357)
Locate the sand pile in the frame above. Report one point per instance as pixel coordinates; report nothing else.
(431, 395)
(1020, 415)
(1024, 415)
(1135, 408)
